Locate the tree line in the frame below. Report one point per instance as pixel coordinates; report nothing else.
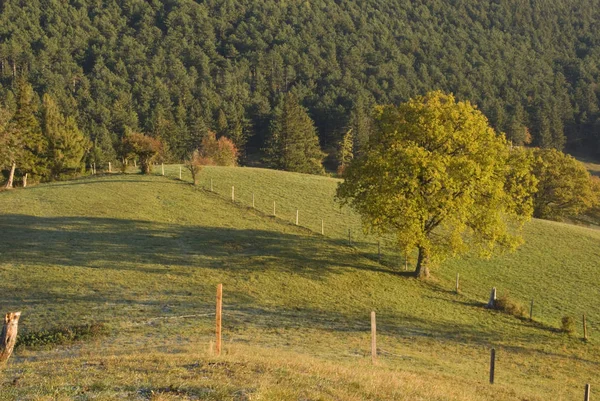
(177, 69)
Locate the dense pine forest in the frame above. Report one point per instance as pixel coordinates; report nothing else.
(174, 69)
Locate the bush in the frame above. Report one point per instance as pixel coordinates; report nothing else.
(567, 325)
(146, 148)
(195, 163)
(507, 305)
(220, 152)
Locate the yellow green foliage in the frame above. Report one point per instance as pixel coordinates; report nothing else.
(565, 186)
(439, 177)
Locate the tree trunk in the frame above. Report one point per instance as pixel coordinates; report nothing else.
(8, 337)
(11, 176)
(422, 270)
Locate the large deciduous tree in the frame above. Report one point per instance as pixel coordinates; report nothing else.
(9, 145)
(565, 187)
(438, 177)
(294, 144)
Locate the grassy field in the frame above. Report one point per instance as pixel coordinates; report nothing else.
(140, 252)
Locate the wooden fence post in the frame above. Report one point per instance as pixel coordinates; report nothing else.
(179, 173)
(531, 310)
(253, 200)
(218, 318)
(297, 212)
(585, 337)
(587, 392)
(274, 209)
(322, 227)
(457, 282)
(232, 193)
(492, 302)
(373, 338)
(109, 167)
(8, 337)
(25, 181)
(162, 166)
(492, 365)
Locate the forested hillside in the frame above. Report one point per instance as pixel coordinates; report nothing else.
(176, 68)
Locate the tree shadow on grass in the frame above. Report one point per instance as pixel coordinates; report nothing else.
(120, 244)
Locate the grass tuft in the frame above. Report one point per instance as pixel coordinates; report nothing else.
(61, 335)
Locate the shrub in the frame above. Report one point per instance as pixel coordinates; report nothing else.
(195, 163)
(567, 325)
(146, 148)
(220, 152)
(508, 305)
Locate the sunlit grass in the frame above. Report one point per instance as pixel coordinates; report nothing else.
(138, 252)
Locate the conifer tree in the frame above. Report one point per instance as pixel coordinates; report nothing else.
(66, 144)
(294, 144)
(346, 153)
(31, 157)
(361, 123)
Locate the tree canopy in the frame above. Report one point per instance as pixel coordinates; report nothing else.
(438, 177)
(565, 186)
(293, 144)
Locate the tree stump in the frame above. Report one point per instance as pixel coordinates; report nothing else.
(8, 338)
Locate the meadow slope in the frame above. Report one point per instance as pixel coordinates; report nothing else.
(139, 252)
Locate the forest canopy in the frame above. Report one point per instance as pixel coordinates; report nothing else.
(175, 69)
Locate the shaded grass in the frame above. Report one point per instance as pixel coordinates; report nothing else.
(136, 252)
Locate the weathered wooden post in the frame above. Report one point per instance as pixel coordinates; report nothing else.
(134, 163)
(218, 318)
(274, 209)
(531, 310)
(253, 201)
(162, 166)
(179, 173)
(25, 181)
(585, 336)
(457, 282)
(492, 302)
(373, 338)
(587, 392)
(492, 365)
(297, 212)
(322, 227)
(109, 167)
(8, 337)
(232, 193)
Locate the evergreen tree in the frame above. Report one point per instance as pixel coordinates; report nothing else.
(346, 153)
(31, 157)
(66, 144)
(361, 123)
(294, 144)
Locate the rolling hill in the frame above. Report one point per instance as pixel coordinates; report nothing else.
(143, 255)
